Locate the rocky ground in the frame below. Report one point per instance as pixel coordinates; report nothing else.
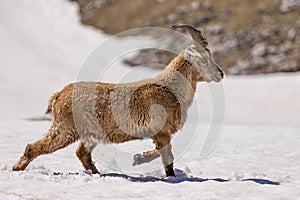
(248, 37)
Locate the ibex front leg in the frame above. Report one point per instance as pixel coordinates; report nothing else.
(164, 148)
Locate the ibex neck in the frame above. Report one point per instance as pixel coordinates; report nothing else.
(178, 77)
(182, 66)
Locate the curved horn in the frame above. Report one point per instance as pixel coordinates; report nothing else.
(195, 33)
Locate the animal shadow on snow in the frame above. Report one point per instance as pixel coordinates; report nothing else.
(182, 177)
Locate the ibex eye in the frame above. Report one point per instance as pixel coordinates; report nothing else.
(204, 61)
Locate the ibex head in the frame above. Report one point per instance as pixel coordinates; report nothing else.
(200, 56)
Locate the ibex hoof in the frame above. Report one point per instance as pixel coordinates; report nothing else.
(138, 159)
(21, 164)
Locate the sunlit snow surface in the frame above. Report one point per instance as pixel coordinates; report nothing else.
(42, 47)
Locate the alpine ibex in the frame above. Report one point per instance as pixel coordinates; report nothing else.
(95, 112)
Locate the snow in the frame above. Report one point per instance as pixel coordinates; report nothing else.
(42, 46)
(261, 153)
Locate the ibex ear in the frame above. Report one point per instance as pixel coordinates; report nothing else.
(187, 55)
(191, 53)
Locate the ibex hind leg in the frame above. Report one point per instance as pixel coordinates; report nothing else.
(53, 141)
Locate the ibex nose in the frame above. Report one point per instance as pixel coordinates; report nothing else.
(222, 73)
